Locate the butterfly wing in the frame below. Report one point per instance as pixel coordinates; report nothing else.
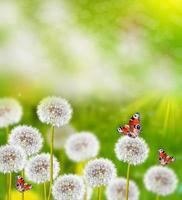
(20, 183)
(21, 186)
(165, 159)
(133, 128)
(123, 130)
(27, 187)
(134, 124)
(169, 159)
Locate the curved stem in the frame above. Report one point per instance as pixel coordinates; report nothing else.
(157, 197)
(51, 161)
(22, 194)
(45, 192)
(99, 197)
(127, 182)
(9, 186)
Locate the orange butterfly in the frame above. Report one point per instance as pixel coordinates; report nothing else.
(165, 159)
(133, 128)
(21, 186)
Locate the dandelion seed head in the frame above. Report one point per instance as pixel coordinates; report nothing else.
(99, 172)
(10, 112)
(160, 180)
(68, 187)
(117, 188)
(27, 137)
(82, 146)
(37, 168)
(132, 150)
(12, 158)
(55, 111)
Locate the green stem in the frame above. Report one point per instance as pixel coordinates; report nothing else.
(22, 194)
(99, 193)
(45, 192)
(157, 197)
(7, 133)
(127, 181)
(9, 186)
(85, 195)
(61, 158)
(7, 177)
(51, 161)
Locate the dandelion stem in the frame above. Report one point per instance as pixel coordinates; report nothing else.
(45, 192)
(61, 158)
(157, 197)
(9, 186)
(127, 182)
(7, 132)
(51, 161)
(7, 178)
(22, 194)
(99, 193)
(85, 195)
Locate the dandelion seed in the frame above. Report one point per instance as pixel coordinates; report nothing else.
(37, 168)
(55, 111)
(27, 137)
(117, 190)
(134, 151)
(160, 180)
(82, 146)
(68, 187)
(10, 112)
(12, 158)
(99, 172)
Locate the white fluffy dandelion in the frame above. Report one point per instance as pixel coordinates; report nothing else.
(99, 172)
(68, 187)
(10, 112)
(60, 135)
(12, 158)
(134, 151)
(55, 111)
(82, 146)
(160, 180)
(37, 168)
(27, 137)
(117, 190)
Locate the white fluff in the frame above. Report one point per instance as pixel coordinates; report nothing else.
(37, 168)
(132, 150)
(68, 187)
(99, 172)
(160, 180)
(27, 137)
(55, 111)
(10, 112)
(82, 146)
(117, 190)
(12, 158)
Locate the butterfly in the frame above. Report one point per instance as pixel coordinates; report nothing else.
(133, 128)
(21, 186)
(165, 159)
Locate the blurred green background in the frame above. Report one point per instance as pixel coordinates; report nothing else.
(109, 59)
